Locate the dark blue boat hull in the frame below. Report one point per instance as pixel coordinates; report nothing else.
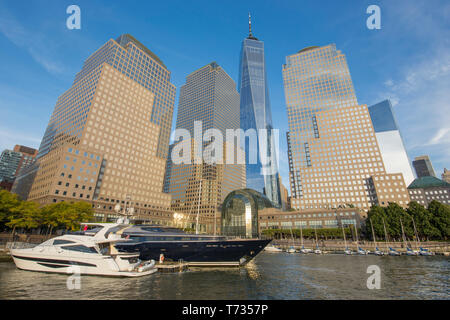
(201, 252)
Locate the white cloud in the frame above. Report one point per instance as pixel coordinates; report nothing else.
(441, 136)
(35, 43)
(389, 83)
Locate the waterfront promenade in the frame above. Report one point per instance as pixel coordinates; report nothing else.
(338, 246)
(328, 246)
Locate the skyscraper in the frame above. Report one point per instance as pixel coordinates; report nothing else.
(423, 167)
(333, 152)
(255, 113)
(12, 161)
(390, 140)
(102, 144)
(446, 175)
(209, 97)
(131, 58)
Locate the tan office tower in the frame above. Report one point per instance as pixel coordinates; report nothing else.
(333, 151)
(101, 144)
(131, 58)
(210, 98)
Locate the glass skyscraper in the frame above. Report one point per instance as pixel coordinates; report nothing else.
(390, 140)
(11, 161)
(423, 167)
(255, 113)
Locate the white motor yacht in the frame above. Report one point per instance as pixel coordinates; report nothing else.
(88, 253)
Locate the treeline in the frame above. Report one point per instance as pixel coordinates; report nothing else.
(15, 214)
(432, 223)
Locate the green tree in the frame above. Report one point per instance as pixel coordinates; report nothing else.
(376, 214)
(8, 201)
(440, 217)
(49, 217)
(394, 214)
(25, 215)
(67, 214)
(422, 218)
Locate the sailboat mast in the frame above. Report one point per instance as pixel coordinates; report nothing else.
(403, 233)
(345, 240)
(301, 234)
(292, 237)
(373, 233)
(198, 210)
(385, 234)
(415, 232)
(317, 241)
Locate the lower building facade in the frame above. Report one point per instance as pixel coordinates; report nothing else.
(423, 190)
(246, 213)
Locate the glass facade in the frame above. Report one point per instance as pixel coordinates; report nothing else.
(390, 140)
(423, 167)
(383, 117)
(240, 213)
(9, 162)
(255, 113)
(12, 161)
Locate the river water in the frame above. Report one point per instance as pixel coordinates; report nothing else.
(268, 276)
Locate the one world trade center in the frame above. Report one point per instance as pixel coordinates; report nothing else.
(262, 175)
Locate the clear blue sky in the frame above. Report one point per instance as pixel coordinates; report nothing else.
(408, 60)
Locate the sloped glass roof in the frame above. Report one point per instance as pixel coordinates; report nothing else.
(428, 182)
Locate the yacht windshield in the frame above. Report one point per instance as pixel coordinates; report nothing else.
(80, 248)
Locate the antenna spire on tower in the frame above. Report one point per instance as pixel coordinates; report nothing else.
(250, 34)
(250, 25)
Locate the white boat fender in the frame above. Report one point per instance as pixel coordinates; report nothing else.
(161, 258)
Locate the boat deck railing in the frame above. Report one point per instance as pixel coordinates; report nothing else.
(20, 245)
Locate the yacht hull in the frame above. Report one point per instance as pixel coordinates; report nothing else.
(198, 253)
(49, 263)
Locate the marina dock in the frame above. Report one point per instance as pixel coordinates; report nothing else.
(172, 267)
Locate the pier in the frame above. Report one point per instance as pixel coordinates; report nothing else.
(172, 267)
(338, 247)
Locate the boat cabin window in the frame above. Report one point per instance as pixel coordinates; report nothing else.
(105, 249)
(58, 242)
(80, 248)
(162, 229)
